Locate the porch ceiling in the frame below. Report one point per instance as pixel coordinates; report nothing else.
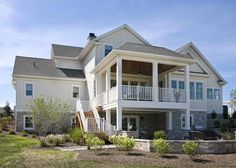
(141, 68)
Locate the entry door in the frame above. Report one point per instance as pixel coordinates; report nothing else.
(130, 123)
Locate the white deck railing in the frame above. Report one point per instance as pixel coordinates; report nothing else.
(139, 93)
(172, 95)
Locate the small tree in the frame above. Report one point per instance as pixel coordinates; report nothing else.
(161, 146)
(49, 115)
(213, 114)
(6, 111)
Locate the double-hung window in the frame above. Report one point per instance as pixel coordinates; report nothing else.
(28, 122)
(29, 89)
(213, 94)
(192, 90)
(177, 84)
(107, 49)
(75, 93)
(199, 91)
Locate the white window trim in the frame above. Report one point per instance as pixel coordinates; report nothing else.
(32, 83)
(73, 91)
(104, 44)
(183, 115)
(24, 122)
(132, 116)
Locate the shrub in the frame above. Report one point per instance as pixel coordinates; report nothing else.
(67, 138)
(57, 140)
(76, 134)
(234, 115)
(159, 134)
(122, 142)
(24, 133)
(11, 132)
(213, 114)
(191, 148)
(0, 131)
(95, 142)
(34, 136)
(101, 135)
(225, 114)
(217, 124)
(42, 142)
(226, 127)
(161, 146)
(228, 135)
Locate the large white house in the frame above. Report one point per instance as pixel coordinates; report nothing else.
(126, 84)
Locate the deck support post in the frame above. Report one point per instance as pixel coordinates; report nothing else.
(155, 90)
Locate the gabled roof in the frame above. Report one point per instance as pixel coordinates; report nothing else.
(43, 67)
(190, 44)
(125, 26)
(151, 50)
(66, 51)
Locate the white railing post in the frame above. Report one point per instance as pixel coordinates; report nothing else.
(138, 92)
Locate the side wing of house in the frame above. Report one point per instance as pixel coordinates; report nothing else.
(212, 82)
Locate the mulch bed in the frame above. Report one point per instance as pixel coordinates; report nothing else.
(151, 159)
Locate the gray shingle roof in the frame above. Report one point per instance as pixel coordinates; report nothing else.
(66, 51)
(43, 67)
(151, 50)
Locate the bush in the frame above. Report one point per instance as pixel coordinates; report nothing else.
(225, 114)
(76, 134)
(159, 135)
(0, 131)
(4, 122)
(213, 114)
(11, 132)
(228, 135)
(95, 142)
(191, 148)
(161, 146)
(67, 138)
(34, 136)
(42, 142)
(24, 133)
(217, 124)
(123, 142)
(57, 140)
(234, 115)
(101, 135)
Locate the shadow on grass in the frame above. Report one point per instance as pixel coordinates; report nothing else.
(136, 154)
(170, 157)
(203, 161)
(104, 154)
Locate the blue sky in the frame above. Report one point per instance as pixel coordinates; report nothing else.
(28, 27)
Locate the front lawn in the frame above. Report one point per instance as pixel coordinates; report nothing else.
(24, 152)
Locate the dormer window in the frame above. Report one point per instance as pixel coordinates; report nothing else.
(108, 49)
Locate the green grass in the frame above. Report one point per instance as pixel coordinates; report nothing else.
(24, 152)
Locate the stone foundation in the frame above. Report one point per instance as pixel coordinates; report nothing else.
(206, 147)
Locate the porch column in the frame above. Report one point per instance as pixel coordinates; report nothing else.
(119, 118)
(108, 82)
(187, 119)
(169, 119)
(108, 116)
(155, 81)
(187, 84)
(119, 77)
(98, 78)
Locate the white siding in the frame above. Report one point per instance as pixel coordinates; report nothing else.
(48, 88)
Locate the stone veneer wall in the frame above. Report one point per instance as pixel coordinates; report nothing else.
(206, 147)
(20, 121)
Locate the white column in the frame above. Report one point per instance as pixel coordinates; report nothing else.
(119, 118)
(187, 89)
(119, 77)
(108, 83)
(108, 116)
(169, 119)
(98, 78)
(187, 119)
(155, 81)
(187, 84)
